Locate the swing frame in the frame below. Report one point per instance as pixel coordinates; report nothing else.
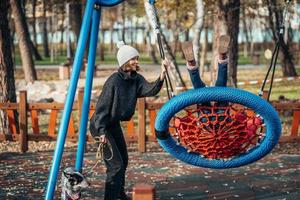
(90, 24)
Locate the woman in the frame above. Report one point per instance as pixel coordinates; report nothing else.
(117, 103)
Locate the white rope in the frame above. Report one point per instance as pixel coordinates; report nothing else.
(152, 15)
(100, 153)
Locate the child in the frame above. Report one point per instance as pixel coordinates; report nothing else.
(117, 103)
(193, 70)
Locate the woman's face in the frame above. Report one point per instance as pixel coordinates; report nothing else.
(133, 64)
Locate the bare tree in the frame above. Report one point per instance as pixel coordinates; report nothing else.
(24, 41)
(197, 30)
(7, 81)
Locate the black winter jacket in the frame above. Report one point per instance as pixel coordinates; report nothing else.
(118, 99)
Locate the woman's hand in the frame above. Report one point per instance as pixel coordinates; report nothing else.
(165, 64)
(102, 139)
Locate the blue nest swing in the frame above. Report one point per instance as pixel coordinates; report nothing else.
(268, 133)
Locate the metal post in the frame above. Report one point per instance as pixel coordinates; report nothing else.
(69, 100)
(88, 86)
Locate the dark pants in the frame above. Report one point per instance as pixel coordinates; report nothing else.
(116, 166)
(221, 79)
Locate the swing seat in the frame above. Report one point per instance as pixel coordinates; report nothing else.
(218, 132)
(216, 136)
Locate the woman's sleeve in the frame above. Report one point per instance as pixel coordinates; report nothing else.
(147, 89)
(102, 115)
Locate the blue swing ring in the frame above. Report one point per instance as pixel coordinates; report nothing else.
(109, 2)
(218, 94)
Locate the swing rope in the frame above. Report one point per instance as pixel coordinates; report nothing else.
(100, 155)
(275, 53)
(151, 10)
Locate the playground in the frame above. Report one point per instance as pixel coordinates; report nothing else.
(146, 100)
(276, 176)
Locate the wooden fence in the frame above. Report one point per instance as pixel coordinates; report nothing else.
(140, 128)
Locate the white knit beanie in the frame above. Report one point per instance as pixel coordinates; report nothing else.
(125, 53)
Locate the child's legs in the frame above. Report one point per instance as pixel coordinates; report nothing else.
(222, 75)
(195, 78)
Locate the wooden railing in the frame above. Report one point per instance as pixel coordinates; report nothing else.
(140, 128)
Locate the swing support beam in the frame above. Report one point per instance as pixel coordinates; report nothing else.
(90, 24)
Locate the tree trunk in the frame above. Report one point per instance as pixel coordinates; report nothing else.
(75, 12)
(197, 30)
(102, 44)
(7, 80)
(24, 41)
(34, 50)
(34, 22)
(288, 67)
(204, 53)
(111, 31)
(45, 32)
(131, 33)
(246, 32)
(228, 23)
(32, 44)
(68, 30)
(123, 22)
(286, 58)
(232, 20)
(150, 47)
(175, 43)
(62, 29)
(220, 28)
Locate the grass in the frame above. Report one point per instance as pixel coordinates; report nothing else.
(111, 59)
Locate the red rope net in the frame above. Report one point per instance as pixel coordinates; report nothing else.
(218, 132)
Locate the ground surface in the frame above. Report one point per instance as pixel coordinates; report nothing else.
(24, 176)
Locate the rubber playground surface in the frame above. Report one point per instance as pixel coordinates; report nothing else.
(276, 176)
